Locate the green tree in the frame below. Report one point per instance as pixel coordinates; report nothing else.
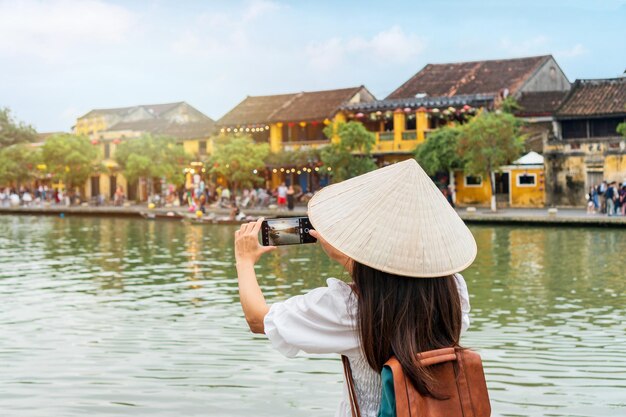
(510, 105)
(152, 157)
(352, 156)
(18, 163)
(439, 153)
(487, 142)
(70, 158)
(297, 158)
(13, 132)
(621, 129)
(235, 157)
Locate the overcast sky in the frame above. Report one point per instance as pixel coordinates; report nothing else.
(61, 58)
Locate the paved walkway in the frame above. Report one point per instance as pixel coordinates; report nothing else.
(505, 216)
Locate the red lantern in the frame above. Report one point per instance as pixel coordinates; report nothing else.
(291, 124)
(407, 110)
(94, 141)
(116, 141)
(359, 115)
(315, 123)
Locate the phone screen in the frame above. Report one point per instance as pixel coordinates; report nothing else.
(286, 231)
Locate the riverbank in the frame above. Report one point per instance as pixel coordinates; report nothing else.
(570, 217)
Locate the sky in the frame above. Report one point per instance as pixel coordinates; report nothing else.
(61, 58)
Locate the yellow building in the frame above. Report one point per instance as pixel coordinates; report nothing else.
(291, 122)
(519, 185)
(400, 125)
(107, 128)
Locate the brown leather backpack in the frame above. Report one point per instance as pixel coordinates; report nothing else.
(458, 375)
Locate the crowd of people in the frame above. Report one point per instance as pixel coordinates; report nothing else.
(37, 196)
(42, 194)
(607, 198)
(204, 195)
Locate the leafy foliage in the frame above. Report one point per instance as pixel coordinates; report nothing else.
(293, 158)
(152, 157)
(70, 158)
(621, 129)
(342, 157)
(18, 163)
(510, 105)
(489, 141)
(13, 132)
(235, 157)
(439, 153)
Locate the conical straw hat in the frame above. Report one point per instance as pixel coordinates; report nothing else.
(396, 220)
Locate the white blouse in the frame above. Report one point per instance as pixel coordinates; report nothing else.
(324, 321)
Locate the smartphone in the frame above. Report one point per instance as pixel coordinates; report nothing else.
(286, 231)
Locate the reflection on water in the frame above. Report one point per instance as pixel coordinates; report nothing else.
(105, 317)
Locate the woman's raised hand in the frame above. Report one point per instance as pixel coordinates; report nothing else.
(332, 253)
(248, 250)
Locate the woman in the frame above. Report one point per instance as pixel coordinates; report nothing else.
(402, 244)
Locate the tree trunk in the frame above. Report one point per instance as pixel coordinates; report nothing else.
(492, 178)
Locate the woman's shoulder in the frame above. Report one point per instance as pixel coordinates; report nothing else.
(338, 286)
(336, 295)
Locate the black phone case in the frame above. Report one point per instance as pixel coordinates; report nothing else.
(304, 226)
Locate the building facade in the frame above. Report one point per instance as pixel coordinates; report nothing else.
(107, 128)
(444, 94)
(586, 148)
(292, 122)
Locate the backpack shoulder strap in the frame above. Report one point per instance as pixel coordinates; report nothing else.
(400, 387)
(354, 404)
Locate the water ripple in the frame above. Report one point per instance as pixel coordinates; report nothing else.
(106, 317)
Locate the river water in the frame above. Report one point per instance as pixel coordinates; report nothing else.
(106, 317)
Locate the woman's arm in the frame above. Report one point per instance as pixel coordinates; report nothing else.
(247, 253)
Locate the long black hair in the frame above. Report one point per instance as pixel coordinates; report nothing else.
(403, 316)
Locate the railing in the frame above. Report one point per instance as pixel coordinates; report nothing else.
(409, 135)
(385, 136)
(293, 145)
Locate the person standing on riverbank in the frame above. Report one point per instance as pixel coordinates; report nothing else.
(406, 294)
(281, 196)
(609, 197)
(290, 198)
(622, 198)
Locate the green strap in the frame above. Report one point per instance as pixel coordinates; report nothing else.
(388, 398)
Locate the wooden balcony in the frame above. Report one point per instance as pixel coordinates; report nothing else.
(384, 136)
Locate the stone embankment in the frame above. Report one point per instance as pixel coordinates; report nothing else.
(552, 217)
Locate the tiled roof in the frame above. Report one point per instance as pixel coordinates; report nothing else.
(314, 105)
(255, 109)
(595, 98)
(470, 77)
(155, 109)
(540, 103)
(191, 130)
(428, 102)
(304, 106)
